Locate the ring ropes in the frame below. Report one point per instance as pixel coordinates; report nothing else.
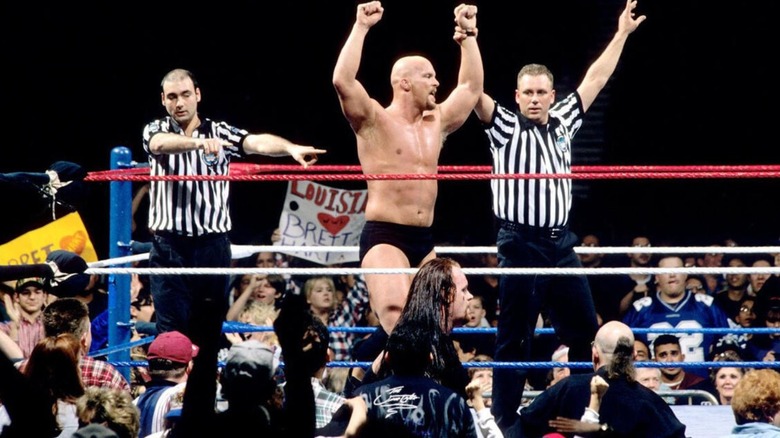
(248, 172)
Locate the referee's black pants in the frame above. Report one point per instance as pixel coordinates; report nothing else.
(521, 297)
(195, 305)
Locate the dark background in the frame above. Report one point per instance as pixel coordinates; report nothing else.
(694, 86)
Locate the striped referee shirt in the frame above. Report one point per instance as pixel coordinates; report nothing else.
(519, 146)
(191, 208)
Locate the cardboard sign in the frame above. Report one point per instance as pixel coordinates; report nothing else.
(318, 215)
(67, 232)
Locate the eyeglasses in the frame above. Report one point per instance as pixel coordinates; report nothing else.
(696, 288)
(746, 309)
(642, 246)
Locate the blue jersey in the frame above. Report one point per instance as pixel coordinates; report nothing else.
(694, 311)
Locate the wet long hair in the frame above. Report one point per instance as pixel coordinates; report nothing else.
(428, 309)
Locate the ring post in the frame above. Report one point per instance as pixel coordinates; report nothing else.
(119, 237)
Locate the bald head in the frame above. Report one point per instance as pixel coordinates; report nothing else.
(614, 349)
(408, 66)
(608, 335)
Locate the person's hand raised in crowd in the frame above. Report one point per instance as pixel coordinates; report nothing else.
(12, 308)
(474, 392)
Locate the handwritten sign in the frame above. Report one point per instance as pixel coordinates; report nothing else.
(318, 215)
(67, 232)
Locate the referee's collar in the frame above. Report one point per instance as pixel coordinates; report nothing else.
(552, 122)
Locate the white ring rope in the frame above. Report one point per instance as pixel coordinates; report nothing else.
(241, 251)
(467, 271)
(251, 249)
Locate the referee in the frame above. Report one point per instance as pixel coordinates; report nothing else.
(191, 220)
(533, 215)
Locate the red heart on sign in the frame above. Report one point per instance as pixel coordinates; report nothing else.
(333, 224)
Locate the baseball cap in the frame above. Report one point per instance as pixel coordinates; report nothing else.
(72, 279)
(95, 430)
(249, 360)
(173, 346)
(31, 281)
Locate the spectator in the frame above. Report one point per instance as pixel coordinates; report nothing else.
(320, 293)
(69, 315)
(94, 430)
(481, 384)
(438, 302)
(714, 282)
(486, 286)
(649, 377)
(248, 385)
(5, 290)
(25, 310)
(431, 409)
(674, 307)
(756, 405)
(696, 284)
(757, 280)
(325, 401)
(726, 378)
(627, 409)
(111, 408)
(53, 365)
(170, 362)
(477, 315)
(641, 352)
(559, 373)
(63, 272)
(666, 348)
(765, 346)
(735, 289)
(639, 285)
(264, 289)
(26, 408)
(607, 290)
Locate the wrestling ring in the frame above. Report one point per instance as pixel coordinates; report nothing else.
(123, 172)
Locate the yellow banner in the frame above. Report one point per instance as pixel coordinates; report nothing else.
(67, 232)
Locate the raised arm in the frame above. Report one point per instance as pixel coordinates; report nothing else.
(458, 105)
(599, 72)
(485, 108)
(355, 102)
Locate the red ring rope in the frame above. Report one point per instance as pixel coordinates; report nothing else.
(137, 176)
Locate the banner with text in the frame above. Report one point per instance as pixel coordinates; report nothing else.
(67, 232)
(318, 215)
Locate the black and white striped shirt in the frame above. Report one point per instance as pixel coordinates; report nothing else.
(191, 208)
(521, 146)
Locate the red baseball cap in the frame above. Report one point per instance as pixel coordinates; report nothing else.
(173, 346)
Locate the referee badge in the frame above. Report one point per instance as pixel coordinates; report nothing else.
(211, 159)
(561, 143)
